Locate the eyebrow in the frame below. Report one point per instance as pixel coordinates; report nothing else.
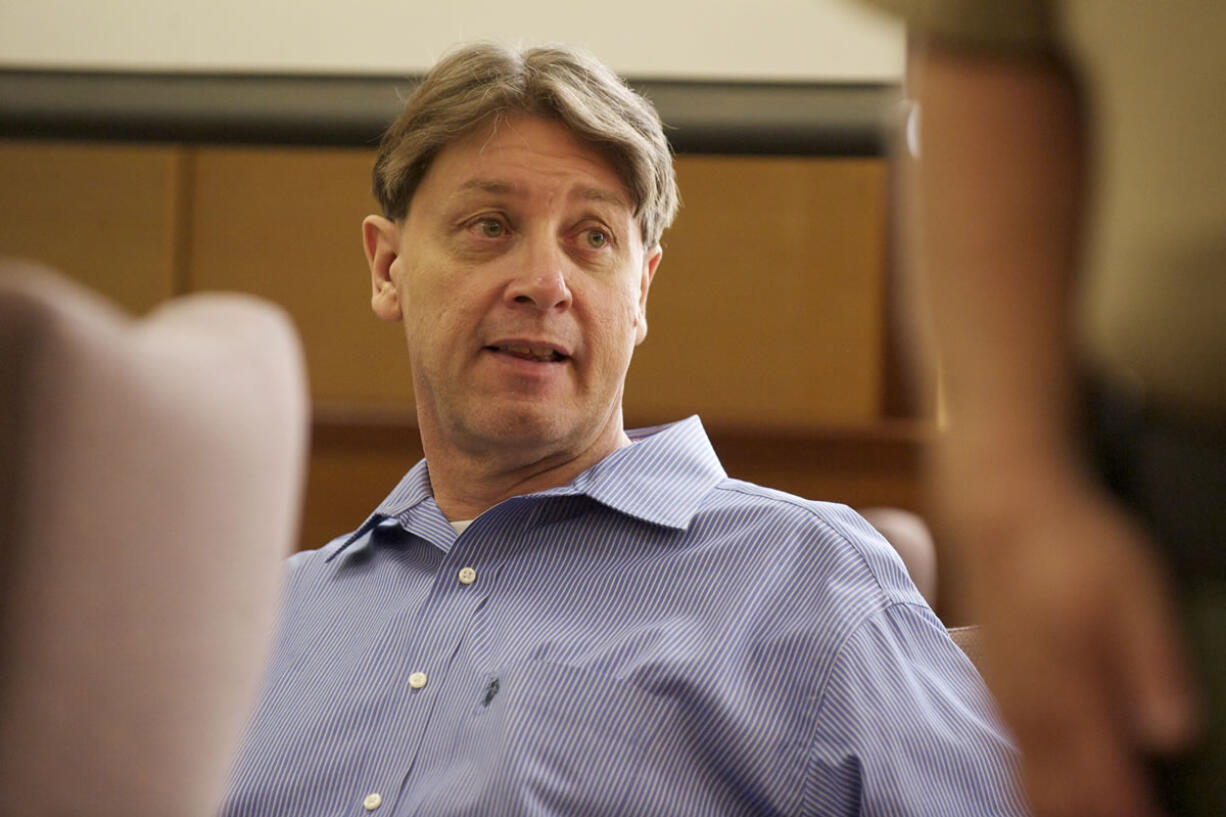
(487, 186)
(507, 188)
(600, 194)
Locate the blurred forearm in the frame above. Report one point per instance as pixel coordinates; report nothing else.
(1000, 192)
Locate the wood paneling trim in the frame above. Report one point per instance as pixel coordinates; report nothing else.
(358, 458)
(842, 119)
(337, 424)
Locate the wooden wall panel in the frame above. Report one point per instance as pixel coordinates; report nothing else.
(353, 467)
(285, 224)
(766, 317)
(767, 310)
(355, 464)
(104, 214)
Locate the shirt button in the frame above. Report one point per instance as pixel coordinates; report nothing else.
(467, 575)
(372, 801)
(417, 680)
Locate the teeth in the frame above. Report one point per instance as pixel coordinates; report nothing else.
(541, 354)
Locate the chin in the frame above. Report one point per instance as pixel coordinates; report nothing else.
(521, 428)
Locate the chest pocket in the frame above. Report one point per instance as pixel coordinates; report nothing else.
(548, 739)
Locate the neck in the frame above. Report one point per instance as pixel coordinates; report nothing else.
(466, 483)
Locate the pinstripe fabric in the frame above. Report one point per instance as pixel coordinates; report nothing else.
(651, 639)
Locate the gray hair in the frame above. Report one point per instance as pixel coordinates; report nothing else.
(487, 81)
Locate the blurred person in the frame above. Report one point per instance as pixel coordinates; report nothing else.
(551, 614)
(1069, 223)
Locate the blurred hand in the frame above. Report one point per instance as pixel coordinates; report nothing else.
(1081, 650)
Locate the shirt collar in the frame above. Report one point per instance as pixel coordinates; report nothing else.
(660, 478)
(411, 491)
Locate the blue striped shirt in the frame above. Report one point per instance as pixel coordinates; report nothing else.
(653, 638)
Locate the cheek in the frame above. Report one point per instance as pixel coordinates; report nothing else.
(423, 318)
(435, 328)
(633, 312)
(430, 299)
(442, 322)
(616, 326)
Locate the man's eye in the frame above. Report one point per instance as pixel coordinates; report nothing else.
(597, 239)
(491, 228)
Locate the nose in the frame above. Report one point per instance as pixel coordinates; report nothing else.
(539, 277)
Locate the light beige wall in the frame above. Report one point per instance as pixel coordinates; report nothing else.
(827, 40)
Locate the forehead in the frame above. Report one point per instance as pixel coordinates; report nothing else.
(522, 155)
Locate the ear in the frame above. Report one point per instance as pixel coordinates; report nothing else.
(650, 261)
(381, 240)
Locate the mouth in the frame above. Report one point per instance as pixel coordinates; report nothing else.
(537, 353)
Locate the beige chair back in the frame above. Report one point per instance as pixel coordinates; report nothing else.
(150, 484)
(969, 639)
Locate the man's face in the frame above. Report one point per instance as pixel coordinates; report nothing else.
(521, 278)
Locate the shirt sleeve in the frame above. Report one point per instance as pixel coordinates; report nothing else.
(907, 727)
(999, 25)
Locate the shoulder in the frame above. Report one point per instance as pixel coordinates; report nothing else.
(901, 699)
(796, 577)
(841, 551)
(308, 560)
(307, 569)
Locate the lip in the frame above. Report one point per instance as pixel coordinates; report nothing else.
(536, 347)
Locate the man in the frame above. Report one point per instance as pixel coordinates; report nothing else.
(1072, 227)
(550, 614)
